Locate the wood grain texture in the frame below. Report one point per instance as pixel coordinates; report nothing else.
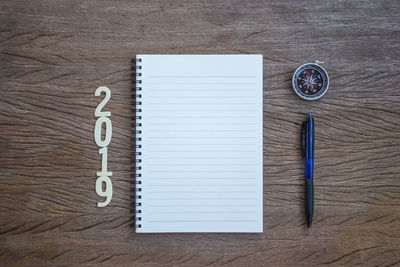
(54, 54)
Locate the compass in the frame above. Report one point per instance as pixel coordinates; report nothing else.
(310, 81)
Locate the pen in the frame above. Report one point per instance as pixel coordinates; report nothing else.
(307, 146)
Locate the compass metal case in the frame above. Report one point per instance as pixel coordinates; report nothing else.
(310, 81)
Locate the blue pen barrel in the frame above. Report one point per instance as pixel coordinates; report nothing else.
(309, 168)
(309, 191)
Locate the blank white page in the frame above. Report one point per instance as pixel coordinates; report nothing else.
(201, 168)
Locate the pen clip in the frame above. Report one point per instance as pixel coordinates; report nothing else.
(303, 139)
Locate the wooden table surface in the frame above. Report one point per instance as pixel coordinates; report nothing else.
(53, 56)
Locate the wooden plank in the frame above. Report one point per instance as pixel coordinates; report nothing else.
(55, 54)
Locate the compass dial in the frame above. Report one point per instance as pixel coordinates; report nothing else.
(310, 81)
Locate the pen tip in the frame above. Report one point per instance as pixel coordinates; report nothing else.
(309, 228)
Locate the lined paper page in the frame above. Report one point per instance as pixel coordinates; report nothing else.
(201, 143)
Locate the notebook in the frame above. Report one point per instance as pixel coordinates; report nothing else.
(199, 157)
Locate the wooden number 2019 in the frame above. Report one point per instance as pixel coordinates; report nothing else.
(103, 119)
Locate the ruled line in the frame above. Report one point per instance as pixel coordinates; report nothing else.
(202, 179)
(203, 158)
(202, 83)
(198, 123)
(216, 130)
(201, 137)
(204, 198)
(200, 164)
(228, 110)
(201, 185)
(200, 144)
(203, 212)
(204, 150)
(203, 103)
(204, 205)
(203, 117)
(201, 76)
(200, 192)
(197, 97)
(201, 171)
(197, 221)
(231, 90)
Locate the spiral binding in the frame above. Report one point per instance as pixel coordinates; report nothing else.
(136, 82)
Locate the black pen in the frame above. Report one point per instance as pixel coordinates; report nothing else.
(307, 146)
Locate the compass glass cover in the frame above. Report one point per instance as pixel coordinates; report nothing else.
(310, 81)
